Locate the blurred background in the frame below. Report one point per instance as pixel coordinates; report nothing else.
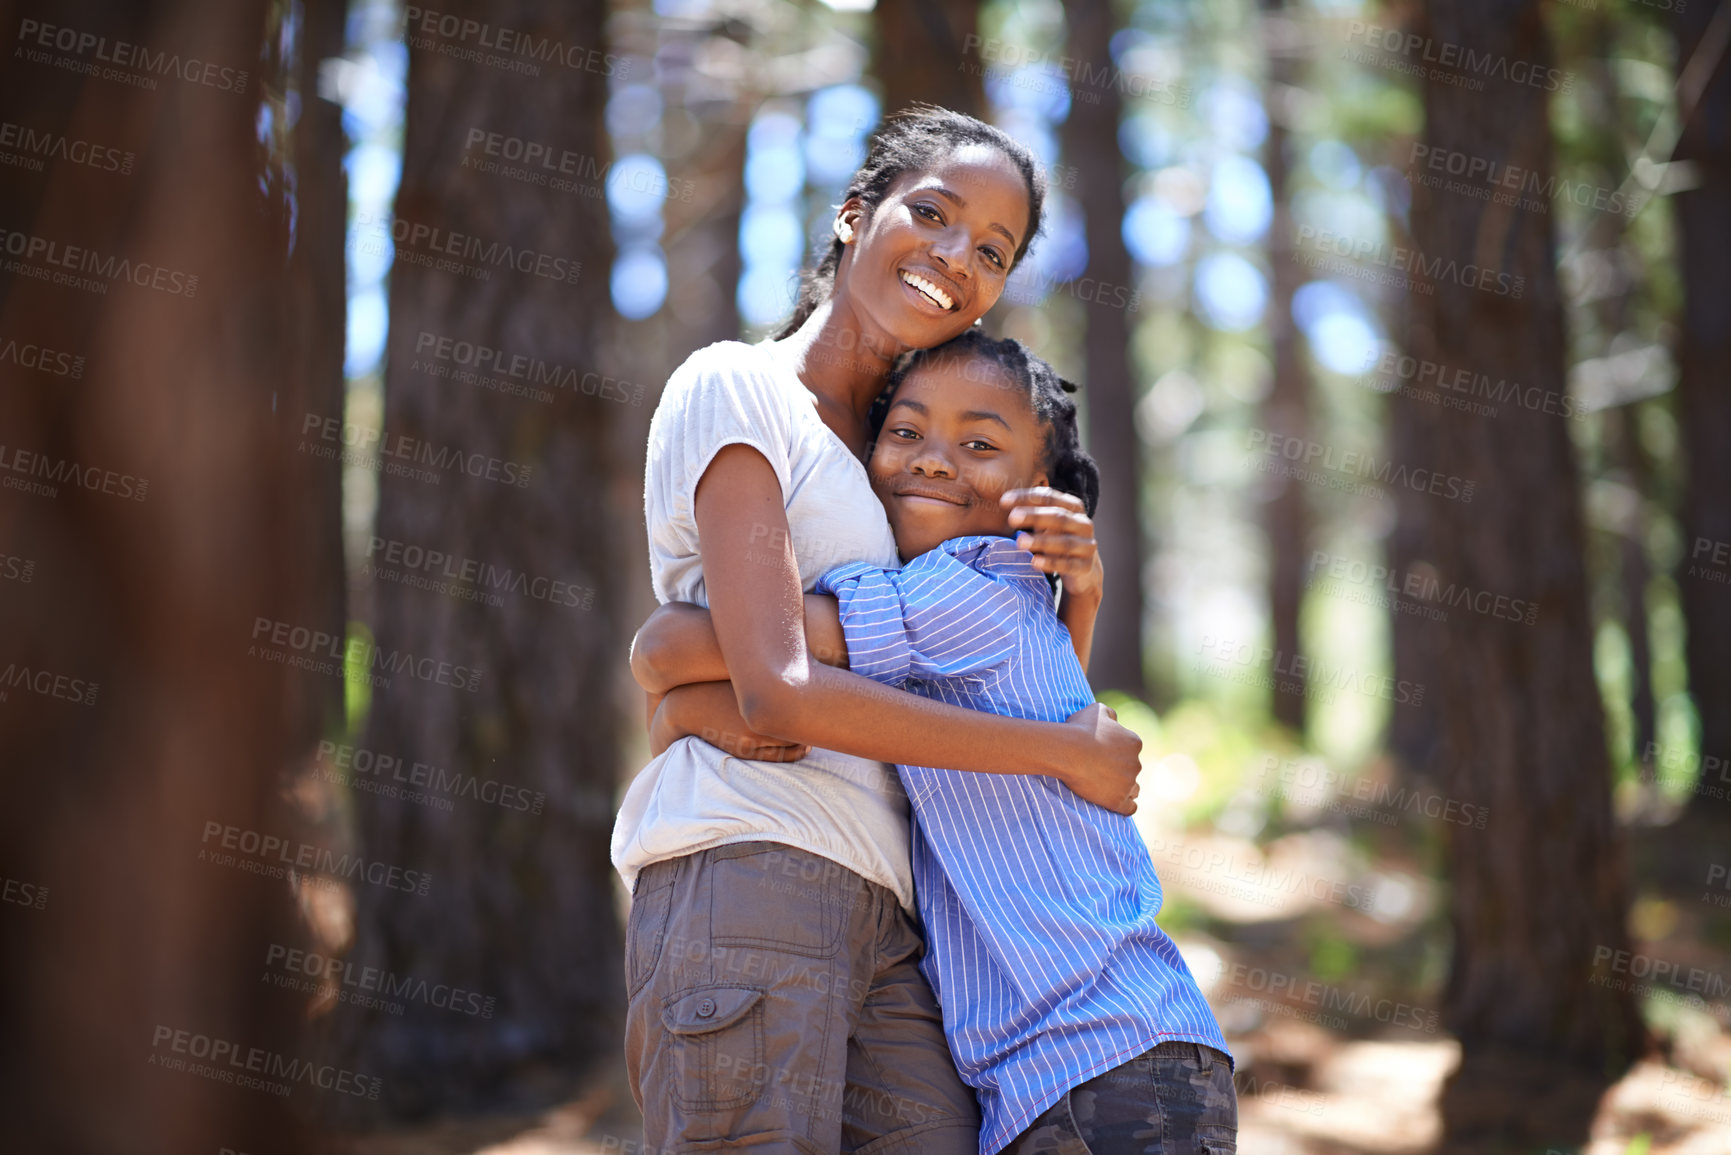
(330, 334)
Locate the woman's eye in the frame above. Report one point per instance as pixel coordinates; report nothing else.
(977, 445)
(927, 211)
(994, 256)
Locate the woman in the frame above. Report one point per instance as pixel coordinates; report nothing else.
(774, 996)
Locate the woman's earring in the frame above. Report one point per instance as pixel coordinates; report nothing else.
(843, 231)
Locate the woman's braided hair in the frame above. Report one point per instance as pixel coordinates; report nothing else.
(1068, 466)
(915, 139)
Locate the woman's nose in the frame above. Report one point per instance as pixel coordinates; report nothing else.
(951, 250)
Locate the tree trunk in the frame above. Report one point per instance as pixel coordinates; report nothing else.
(1630, 464)
(1704, 413)
(517, 734)
(1416, 643)
(1626, 460)
(1090, 141)
(158, 520)
(1538, 894)
(317, 321)
(930, 50)
(1285, 411)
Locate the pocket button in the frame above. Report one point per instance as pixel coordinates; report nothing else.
(705, 1008)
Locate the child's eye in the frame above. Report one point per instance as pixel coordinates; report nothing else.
(905, 434)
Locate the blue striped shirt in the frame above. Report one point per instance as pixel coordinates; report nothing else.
(1039, 907)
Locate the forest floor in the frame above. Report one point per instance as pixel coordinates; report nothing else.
(1319, 936)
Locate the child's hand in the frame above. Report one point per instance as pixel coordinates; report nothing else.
(1060, 536)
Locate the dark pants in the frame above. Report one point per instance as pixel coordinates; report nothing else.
(1176, 1099)
(776, 1004)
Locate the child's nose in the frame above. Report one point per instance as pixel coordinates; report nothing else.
(933, 465)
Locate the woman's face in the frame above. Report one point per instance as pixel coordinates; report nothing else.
(935, 253)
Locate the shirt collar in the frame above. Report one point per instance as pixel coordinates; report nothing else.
(994, 556)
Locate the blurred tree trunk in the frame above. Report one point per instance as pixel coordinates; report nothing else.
(1629, 467)
(1090, 141)
(1535, 896)
(702, 239)
(145, 574)
(317, 320)
(1285, 411)
(1626, 460)
(1704, 403)
(520, 908)
(930, 50)
(1416, 644)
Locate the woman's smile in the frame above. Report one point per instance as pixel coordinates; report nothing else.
(927, 289)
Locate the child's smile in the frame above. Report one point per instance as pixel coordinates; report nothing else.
(958, 434)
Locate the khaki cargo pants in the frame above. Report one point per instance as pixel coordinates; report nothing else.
(776, 1005)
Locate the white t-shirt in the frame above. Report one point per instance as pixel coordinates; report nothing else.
(850, 810)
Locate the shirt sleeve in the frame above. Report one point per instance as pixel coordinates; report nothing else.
(936, 618)
(721, 396)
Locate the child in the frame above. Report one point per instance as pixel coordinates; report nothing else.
(1066, 1007)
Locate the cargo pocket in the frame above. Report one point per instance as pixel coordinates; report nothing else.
(646, 932)
(778, 899)
(716, 1046)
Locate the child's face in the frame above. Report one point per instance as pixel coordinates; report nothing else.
(958, 434)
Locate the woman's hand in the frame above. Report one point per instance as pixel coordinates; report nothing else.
(1057, 530)
(1110, 759)
(1060, 535)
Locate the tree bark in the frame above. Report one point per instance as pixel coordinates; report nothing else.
(1090, 140)
(930, 51)
(1542, 890)
(317, 322)
(141, 726)
(1285, 411)
(1413, 734)
(1704, 414)
(521, 905)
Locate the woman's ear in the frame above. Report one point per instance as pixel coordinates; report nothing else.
(848, 219)
(1040, 481)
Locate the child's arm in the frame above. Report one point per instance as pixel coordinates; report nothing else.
(710, 710)
(677, 645)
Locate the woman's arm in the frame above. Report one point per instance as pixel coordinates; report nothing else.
(1057, 530)
(757, 609)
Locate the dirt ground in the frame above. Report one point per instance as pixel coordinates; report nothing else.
(1319, 941)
